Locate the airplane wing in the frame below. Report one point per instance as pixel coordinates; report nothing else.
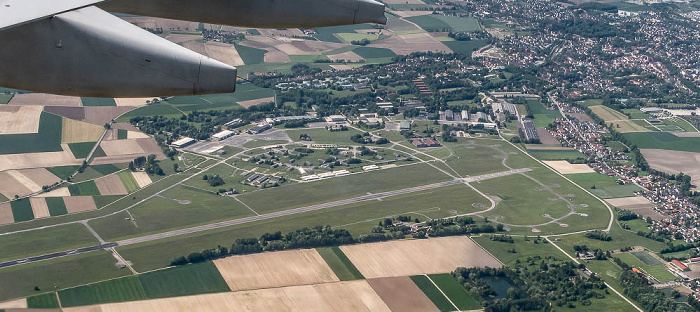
(17, 12)
(89, 52)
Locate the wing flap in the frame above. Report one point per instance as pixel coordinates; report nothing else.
(17, 12)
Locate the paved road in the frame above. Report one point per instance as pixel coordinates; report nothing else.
(272, 215)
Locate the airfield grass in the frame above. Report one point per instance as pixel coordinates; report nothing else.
(465, 47)
(339, 263)
(129, 181)
(473, 161)
(90, 101)
(260, 143)
(296, 195)
(657, 271)
(609, 272)
(19, 281)
(605, 187)
(57, 206)
(523, 249)
(160, 109)
(232, 178)
(324, 136)
(37, 242)
(620, 238)
(82, 150)
(117, 290)
(356, 218)
(370, 53)
(555, 155)
(432, 292)
(251, 55)
(104, 200)
(244, 92)
(163, 213)
(521, 204)
(22, 210)
(191, 279)
(87, 188)
(664, 140)
(455, 292)
(48, 138)
(308, 58)
(43, 301)
(543, 116)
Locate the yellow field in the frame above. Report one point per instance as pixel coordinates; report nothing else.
(121, 147)
(132, 101)
(628, 126)
(275, 269)
(142, 178)
(20, 119)
(564, 167)
(607, 113)
(340, 296)
(6, 216)
(77, 131)
(414, 257)
(39, 207)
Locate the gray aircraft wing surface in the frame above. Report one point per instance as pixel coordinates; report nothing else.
(75, 47)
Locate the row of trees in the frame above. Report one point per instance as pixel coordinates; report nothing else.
(637, 288)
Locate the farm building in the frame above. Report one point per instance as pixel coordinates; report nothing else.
(183, 142)
(680, 265)
(425, 142)
(465, 115)
(223, 135)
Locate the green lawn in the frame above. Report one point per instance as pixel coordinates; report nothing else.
(117, 290)
(129, 181)
(455, 292)
(48, 139)
(324, 136)
(658, 271)
(88, 188)
(43, 301)
(523, 249)
(19, 281)
(340, 264)
(432, 292)
(105, 169)
(56, 206)
(664, 140)
(251, 55)
(543, 116)
(605, 186)
(22, 210)
(88, 101)
(37, 242)
(647, 258)
(620, 238)
(191, 279)
(82, 150)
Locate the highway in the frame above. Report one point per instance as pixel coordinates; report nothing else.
(272, 215)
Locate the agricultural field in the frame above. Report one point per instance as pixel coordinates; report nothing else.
(402, 294)
(547, 155)
(439, 23)
(88, 101)
(433, 293)
(465, 47)
(339, 263)
(543, 116)
(251, 55)
(664, 141)
(127, 179)
(657, 270)
(523, 249)
(603, 186)
(673, 162)
(459, 296)
(87, 188)
(47, 139)
(82, 150)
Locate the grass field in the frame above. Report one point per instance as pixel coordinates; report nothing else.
(455, 292)
(605, 187)
(88, 188)
(647, 258)
(472, 160)
(433, 23)
(186, 280)
(620, 239)
(122, 134)
(63, 172)
(259, 143)
(349, 37)
(328, 33)
(657, 271)
(244, 92)
(117, 290)
(339, 263)
(161, 109)
(664, 140)
(101, 201)
(432, 292)
(88, 101)
(555, 155)
(22, 210)
(82, 150)
(635, 113)
(251, 55)
(56, 206)
(465, 47)
(48, 139)
(58, 273)
(324, 136)
(608, 114)
(128, 180)
(60, 238)
(523, 249)
(543, 116)
(43, 301)
(370, 53)
(5, 98)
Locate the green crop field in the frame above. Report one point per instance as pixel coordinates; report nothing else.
(244, 92)
(63, 172)
(664, 140)
(543, 116)
(296, 195)
(22, 210)
(164, 213)
(465, 47)
(88, 188)
(523, 249)
(48, 139)
(605, 186)
(37, 242)
(472, 161)
(432, 292)
(455, 292)
(101, 201)
(122, 134)
(94, 172)
(647, 258)
(251, 55)
(82, 150)
(117, 290)
(105, 169)
(438, 23)
(88, 101)
(349, 37)
(370, 53)
(340, 264)
(160, 109)
(555, 155)
(43, 301)
(5, 98)
(129, 181)
(56, 206)
(192, 279)
(328, 33)
(19, 281)
(657, 271)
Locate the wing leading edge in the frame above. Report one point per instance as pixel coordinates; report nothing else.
(18, 12)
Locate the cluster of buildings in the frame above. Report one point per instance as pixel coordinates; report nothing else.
(339, 81)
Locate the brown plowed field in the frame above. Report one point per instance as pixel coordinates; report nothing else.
(39, 207)
(110, 185)
(79, 203)
(401, 294)
(6, 216)
(45, 99)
